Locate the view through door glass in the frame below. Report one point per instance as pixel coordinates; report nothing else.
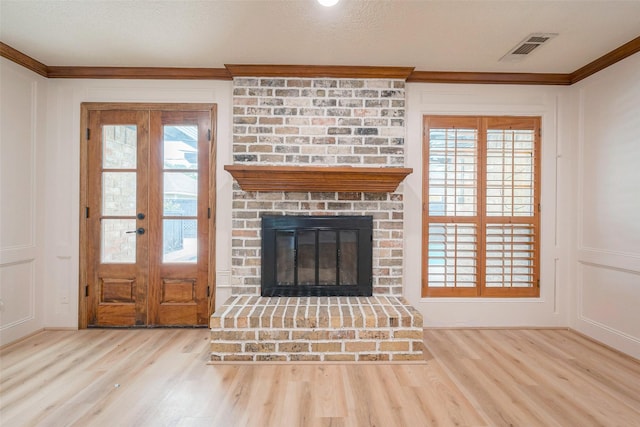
(148, 218)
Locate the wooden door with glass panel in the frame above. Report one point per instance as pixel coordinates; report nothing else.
(148, 218)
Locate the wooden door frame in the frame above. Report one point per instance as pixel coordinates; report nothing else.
(85, 109)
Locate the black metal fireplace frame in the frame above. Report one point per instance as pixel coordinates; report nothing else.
(362, 225)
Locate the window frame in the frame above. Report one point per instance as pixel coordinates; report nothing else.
(482, 124)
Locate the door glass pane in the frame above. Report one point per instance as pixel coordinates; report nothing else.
(118, 246)
(119, 193)
(179, 240)
(307, 257)
(327, 257)
(119, 146)
(285, 247)
(180, 193)
(348, 257)
(180, 147)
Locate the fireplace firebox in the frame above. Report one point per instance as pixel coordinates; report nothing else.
(316, 255)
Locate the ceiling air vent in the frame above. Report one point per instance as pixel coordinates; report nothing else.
(528, 45)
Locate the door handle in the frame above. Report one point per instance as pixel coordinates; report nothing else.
(138, 231)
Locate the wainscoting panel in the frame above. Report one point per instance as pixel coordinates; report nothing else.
(610, 299)
(17, 293)
(17, 163)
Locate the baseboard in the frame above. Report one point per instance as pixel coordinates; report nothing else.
(498, 328)
(19, 340)
(607, 346)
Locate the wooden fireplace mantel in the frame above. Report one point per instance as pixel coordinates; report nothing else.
(314, 178)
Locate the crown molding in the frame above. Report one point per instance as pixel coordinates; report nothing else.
(20, 58)
(607, 60)
(334, 71)
(310, 71)
(56, 72)
(489, 78)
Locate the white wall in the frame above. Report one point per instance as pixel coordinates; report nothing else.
(63, 172)
(607, 259)
(22, 142)
(590, 184)
(62, 190)
(554, 105)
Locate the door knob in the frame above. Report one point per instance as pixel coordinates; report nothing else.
(138, 231)
(140, 215)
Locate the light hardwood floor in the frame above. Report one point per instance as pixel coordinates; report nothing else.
(159, 377)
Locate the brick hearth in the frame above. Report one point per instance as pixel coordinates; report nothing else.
(378, 328)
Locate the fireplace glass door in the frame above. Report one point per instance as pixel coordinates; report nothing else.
(316, 256)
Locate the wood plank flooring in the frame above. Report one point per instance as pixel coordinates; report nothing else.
(540, 377)
(159, 377)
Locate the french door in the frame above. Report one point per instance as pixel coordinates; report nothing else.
(147, 215)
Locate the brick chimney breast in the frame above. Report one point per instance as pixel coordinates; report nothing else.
(318, 122)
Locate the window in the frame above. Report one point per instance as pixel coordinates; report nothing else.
(481, 220)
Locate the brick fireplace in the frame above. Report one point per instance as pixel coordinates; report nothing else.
(331, 123)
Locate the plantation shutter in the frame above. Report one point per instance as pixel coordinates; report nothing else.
(481, 215)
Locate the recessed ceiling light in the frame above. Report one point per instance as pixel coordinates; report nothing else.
(328, 3)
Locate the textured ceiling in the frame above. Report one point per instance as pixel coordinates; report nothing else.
(430, 35)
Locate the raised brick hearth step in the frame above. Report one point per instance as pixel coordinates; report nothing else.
(253, 328)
